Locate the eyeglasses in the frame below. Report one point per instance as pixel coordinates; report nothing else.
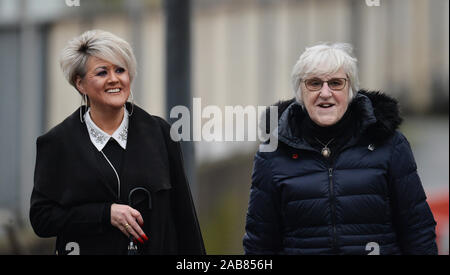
(335, 84)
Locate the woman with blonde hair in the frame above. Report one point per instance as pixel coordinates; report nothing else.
(108, 179)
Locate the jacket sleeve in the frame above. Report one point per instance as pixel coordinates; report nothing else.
(48, 216)
(263, 221)
(413, 219)
(189, 237)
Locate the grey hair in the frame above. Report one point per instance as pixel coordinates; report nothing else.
(324, 59)
(98, 43)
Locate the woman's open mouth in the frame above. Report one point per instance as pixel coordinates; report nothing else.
(325, 105)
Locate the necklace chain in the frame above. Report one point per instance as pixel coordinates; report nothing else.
(324, 145)
(326, 152)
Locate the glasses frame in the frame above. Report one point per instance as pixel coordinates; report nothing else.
(323, 81)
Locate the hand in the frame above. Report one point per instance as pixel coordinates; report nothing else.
(128, 220)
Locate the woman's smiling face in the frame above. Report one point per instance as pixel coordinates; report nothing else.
(326, 106)
(106, 85)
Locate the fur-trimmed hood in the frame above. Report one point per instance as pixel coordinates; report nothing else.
(377, 113)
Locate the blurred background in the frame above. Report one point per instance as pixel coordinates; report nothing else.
(237, 52)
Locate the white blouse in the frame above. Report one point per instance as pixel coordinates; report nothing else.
(99, 138)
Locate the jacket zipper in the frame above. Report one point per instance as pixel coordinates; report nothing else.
(333, 209)
(334, 245)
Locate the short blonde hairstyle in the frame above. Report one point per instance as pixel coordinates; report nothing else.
(98, 43)
(323, 59)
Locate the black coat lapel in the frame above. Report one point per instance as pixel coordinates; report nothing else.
(94, 158)
(146, 161)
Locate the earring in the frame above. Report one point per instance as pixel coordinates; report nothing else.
(83, 98)
(132, 103)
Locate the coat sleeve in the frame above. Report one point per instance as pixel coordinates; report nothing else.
(189, 237)
(263, 221)
(48, 216)
(413, 219)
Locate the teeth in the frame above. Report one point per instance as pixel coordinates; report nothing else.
(113, 90)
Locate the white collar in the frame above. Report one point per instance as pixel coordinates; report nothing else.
(99, 138)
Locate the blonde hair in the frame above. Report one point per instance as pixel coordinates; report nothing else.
(98, 43)
(323, 59)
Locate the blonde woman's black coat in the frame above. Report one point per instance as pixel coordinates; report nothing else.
(72, 194)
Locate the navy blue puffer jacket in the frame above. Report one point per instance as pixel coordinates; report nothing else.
(369, 199)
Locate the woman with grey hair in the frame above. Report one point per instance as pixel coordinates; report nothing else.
(343, 179)
(108, 179)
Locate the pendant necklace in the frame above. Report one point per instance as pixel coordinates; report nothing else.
(326, 152)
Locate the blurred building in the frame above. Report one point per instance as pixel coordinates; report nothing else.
(242, 54)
